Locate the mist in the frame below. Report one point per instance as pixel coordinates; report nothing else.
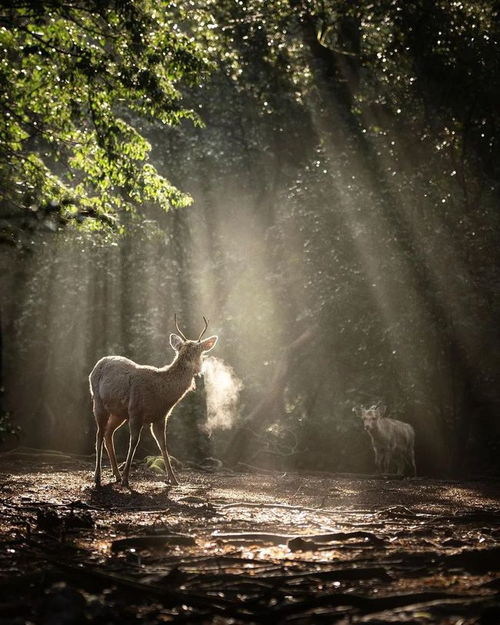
(339, 211)
(223, 390)
(260, 218)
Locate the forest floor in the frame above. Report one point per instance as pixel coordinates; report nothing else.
(228, 547)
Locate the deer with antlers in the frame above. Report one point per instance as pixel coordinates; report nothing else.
(122, 391)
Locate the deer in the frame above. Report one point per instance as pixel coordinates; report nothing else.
(123, 390)
(393, 441)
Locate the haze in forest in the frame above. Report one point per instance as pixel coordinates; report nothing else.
(341, 237)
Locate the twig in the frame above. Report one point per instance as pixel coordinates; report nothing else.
(285, 506)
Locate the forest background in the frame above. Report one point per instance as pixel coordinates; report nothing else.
(319, 179)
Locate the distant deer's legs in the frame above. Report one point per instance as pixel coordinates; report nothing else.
(112, 425)
(400, 464)
(158, 431)
(135, 426)
(412, 462)
(379, 460)
(387, 460)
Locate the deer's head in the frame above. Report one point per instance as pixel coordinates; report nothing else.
(371, 415)
(191, 351)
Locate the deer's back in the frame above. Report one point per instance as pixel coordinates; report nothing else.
(395, 432)
(118, 382)
(124, 387)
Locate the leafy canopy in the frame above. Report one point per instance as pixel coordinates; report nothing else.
(76, 76)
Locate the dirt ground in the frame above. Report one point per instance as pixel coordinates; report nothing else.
(228, 547)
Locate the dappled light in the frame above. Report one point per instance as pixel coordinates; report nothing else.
(270, 231)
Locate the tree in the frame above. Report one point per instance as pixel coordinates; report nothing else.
(76, 79)
(388, 201)
(347, 178)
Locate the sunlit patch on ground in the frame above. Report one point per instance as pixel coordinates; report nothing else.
(253, 547)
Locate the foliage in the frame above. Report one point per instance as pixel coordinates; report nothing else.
(346, 179)
(364, 137)
(76, 78)
(155, 463)
(7, 427)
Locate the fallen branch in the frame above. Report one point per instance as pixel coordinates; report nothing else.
(365, 604)
(279, 539)
(349, 574)
(397, 511)
(167, 595)
(157, 541)
(286, 506)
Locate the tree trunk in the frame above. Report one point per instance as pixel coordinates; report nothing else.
(271, 404)
(2, 389)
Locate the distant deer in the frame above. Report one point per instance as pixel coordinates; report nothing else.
(123, 390)
(393, 441)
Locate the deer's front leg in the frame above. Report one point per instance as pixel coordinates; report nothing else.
(158, 430)
(379, 459)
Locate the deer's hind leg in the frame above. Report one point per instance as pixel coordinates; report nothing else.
(135, 426)
(112, 425)
(101, 419)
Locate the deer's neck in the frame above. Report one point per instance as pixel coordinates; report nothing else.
(180, 373)
(379, 431)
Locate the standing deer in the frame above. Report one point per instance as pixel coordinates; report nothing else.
(392, 440)
(122, 390)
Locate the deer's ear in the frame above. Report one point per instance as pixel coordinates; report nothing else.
(381, 410)
(209, 343)
(176, 342)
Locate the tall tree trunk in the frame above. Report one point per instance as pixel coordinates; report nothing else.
(2, 389)
(271, 404)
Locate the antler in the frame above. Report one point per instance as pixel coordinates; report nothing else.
(204, 329)
(178, 329)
